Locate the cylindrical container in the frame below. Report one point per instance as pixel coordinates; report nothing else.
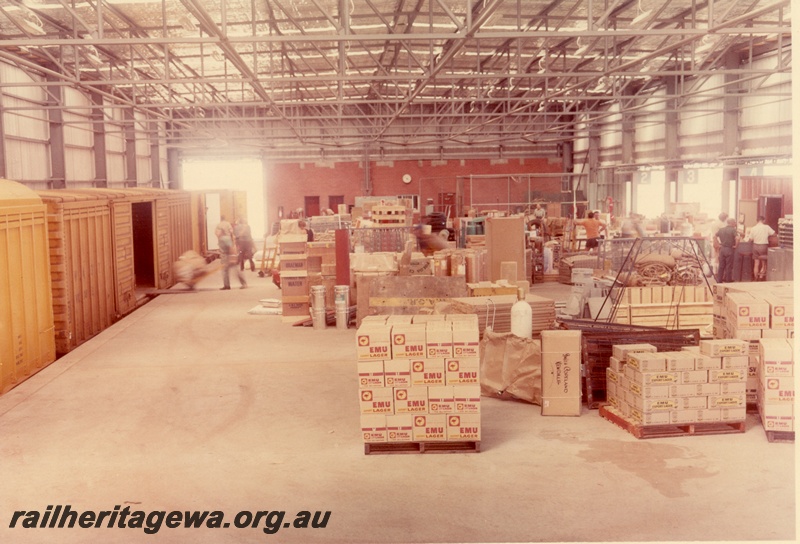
(342, 317)
(341, 293)
(318, 297)
(318, 319)
(522, 319)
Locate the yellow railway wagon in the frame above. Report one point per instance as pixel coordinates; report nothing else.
(27, 342)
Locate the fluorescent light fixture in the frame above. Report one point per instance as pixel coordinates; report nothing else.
(581, 51)
(642, 20)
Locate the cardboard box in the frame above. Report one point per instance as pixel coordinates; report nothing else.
(561, 341)
(746, 311)
(776, 390)
(647, 362)
(691, 349)
(399, 319)
(611, 388)
(612, 377)
(561, 383)
(462, 371)
(400, 428)
(733, 414)
(397, 373)
(467, 399)
(466, 338)
(678, 361)
(694, 376)
(295, 306)
(704, 362)
(693, 403)
(561, 406)
(427, 372)
(408, 341)
(293, 263)
(440, 399)
(727, 401)
(749, 335)
(410, 400)
(694, 390)
(439, 339)
(463, 427)
(373, 428)
(424, 318)
(733, 388)
(775, 333)
(694, 416)
(373, 341)
(649, 391)
(730, 375)
(294, 286)
(735, 361)
(777, 357)
(777, 417)
(723, 347)
(378, 400)
(649, 418)
(430, 428)
(616, 364)
(781, 312)
(370, 374)
(655, 378)
(621, 351)
(645, 404)
(292, 248)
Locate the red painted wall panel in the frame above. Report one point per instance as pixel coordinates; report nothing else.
(289, 183)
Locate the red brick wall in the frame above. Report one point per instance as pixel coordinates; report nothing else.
(288, 183)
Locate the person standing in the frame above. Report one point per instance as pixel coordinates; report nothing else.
(224, 232)
(244, 242)
(760, 234)
(593, 228)
(726, 240)
(303, 226)
(720, 222)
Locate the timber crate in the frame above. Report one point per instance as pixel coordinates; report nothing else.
(665, 431)
(390, 448)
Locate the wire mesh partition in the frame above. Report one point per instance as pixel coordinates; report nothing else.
(376, 239)
(678, 262)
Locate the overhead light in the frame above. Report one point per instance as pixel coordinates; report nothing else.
(217, 56)
(581, 51)
(28, 20)
(643, 19)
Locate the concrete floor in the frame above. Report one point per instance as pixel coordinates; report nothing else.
(192, 404)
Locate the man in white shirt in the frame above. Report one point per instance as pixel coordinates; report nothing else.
(760, 234)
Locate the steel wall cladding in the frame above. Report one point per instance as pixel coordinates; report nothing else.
(81, 266)
(26, 315)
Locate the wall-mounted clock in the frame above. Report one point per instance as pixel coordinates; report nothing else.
(406, 178)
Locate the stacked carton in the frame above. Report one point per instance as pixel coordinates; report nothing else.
(776, 384)
(752, 312)
(295, 287)
(322, 268)
(419, 379)
(694, 385)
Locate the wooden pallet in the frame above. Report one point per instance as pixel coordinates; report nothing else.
(422, 447)
(665, 431)
(780, 436)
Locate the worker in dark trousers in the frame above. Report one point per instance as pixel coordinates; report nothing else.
(726, 240)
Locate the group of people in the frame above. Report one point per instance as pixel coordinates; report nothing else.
(236, 249)
(726, 237)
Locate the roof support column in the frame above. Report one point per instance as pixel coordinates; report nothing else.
(627, 148)
(131, 179)
(671, 144)
(3, 167)
(730, 131)
(99, 141)
(58, 169)
(156, 178)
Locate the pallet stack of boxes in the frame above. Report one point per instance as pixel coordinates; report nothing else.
(322, 268)
(295, 286)
(419, 378)
(698, 384)
(762, 315)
